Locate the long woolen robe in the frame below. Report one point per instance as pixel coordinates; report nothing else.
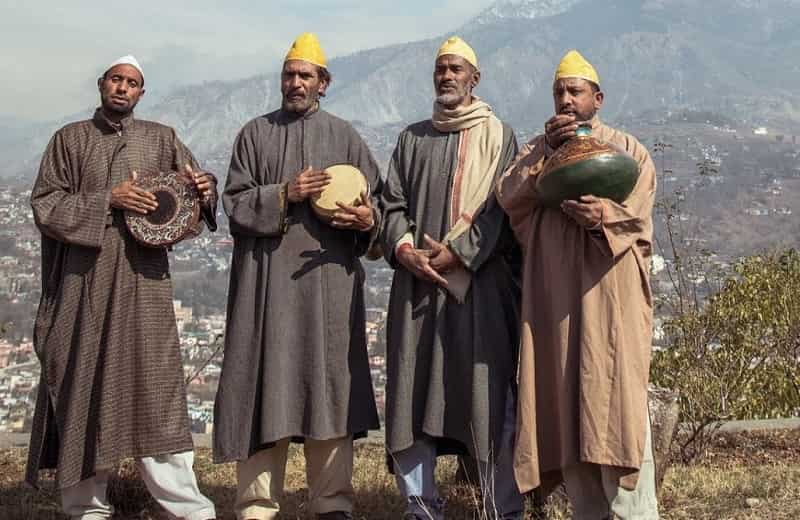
(296, 360)
(449, 365)
(586, 323)
(112, 382)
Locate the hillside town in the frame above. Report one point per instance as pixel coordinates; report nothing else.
(201, 333)
(738, 187)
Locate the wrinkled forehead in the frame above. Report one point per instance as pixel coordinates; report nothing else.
(452, 60)
(299, 67)
(125, 71)
(564, 83)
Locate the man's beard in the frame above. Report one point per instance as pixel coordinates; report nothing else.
(109, 106)
(300, 106)
(586, 115)
(453, 97)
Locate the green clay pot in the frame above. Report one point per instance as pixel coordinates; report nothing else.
(585, 165)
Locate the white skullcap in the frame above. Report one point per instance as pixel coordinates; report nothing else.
(127, 60)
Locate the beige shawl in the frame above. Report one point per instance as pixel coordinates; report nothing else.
(479, 146)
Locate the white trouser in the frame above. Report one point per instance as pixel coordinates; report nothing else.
(169, 478)
(414, 473)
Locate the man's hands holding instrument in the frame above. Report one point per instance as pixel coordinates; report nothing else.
(559, 129)
(307, 183)
(358, 218)
(128, 196)
(204, 182)
(586, 211)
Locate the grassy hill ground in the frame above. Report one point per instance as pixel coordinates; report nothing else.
(744, 476)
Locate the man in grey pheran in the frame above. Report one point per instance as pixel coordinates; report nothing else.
(454, 306)
(296, 365)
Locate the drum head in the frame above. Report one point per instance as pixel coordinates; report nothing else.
(347, 184)
(176, 216)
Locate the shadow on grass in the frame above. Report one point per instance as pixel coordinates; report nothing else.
(376, 495)
(131, 500)
(22, 502)
(761, 466)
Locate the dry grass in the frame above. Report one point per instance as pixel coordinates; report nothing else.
(743, 476)
(764, 468)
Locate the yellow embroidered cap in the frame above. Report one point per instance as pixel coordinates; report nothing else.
(458, 47)
(307, 48)
(573, 65)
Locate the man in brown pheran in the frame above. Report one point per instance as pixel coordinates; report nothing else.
(112, 378)
(586, 320)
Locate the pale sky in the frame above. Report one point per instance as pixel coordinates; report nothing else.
(53, 51)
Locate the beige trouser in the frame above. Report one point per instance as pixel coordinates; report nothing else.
(595, 494)
(329, 472)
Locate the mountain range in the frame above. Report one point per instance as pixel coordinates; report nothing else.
(732, 57)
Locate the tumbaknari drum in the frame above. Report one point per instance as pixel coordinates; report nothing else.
(177, 214)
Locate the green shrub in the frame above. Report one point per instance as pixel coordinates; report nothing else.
(737, 355)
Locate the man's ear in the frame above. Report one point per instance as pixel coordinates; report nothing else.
(598, 99)
(100, 83)
(323, 87)
(476, 78)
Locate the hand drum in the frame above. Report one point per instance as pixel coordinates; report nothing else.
(177, 214)
(347, 184)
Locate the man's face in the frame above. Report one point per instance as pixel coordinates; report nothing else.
(301, 86)
(120, 89)
(454, 78)
(575, 96)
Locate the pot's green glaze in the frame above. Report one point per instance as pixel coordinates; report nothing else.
(607, 175)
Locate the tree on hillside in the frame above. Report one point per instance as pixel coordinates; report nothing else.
(731, 337)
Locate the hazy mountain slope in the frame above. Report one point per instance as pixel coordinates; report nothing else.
(736, 57)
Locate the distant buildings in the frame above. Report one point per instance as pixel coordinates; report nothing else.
(183, 315)
(756, 178)
(5, 353)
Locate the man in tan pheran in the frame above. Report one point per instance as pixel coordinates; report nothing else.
(112, 377)
(586, 321)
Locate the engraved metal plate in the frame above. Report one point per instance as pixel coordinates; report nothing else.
(177, 214)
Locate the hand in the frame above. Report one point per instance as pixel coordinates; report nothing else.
(417, 261)
(442, 258)
(202, 181)
(559, 129)
(354, 217)
(307, 183)
(126, 195)
(587, 212)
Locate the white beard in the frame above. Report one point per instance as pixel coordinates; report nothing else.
(450, 98)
